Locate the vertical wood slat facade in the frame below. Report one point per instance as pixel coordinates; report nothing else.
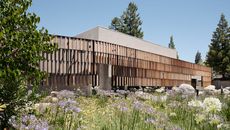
(76, 61)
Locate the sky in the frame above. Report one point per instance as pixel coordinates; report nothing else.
(191, 22)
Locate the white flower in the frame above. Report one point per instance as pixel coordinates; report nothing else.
(159, 98)
(219, 126)
(143, 95)
(215, 120)
(160, 90)
(212, 105)
(199, 118)
(195, 103)
(172, 114)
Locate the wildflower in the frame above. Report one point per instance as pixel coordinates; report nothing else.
(174, 104)
(150, 120)
(29, 92)
(138, 105)
(163, 98)
(122, 92)
(73, 109)
(199, 118)
(124, 109)
(172, 114)
(54, 99)
(219, 126)
(212, 104)
(62, 104)
(65, 94)
(66, 103)
(215, 120)
(41, 107)
(13, 122)
(29, 122)
(159, 98)
(149, 110)
(195, 103)
(143, 95)
(160, 90)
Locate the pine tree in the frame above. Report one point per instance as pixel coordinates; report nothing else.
(171, 43)
(117, 24)
(172, 46)
(129, 23)
(218, 56)
(198, 59)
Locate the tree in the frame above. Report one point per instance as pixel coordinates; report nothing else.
(218, 56)
(116, 24)
(129, 22)
(198, 59)
(21, 46)
(171, 43)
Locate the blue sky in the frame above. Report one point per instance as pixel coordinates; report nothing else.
(191, 22)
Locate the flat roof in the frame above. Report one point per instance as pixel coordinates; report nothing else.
(115, 37)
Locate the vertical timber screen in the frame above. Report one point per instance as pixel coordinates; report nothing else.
(75, 65)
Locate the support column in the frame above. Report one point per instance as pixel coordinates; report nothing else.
(105, 75)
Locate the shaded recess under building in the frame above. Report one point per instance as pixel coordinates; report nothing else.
(107, 58)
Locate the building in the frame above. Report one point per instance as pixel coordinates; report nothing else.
(107, 58)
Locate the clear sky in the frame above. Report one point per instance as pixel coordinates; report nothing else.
(191, 22)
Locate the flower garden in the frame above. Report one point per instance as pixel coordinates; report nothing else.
(125, 110)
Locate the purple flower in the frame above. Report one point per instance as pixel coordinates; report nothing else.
(29, 122)
(149, 110)
(62, 104)
(123, 109)
(73, 109)
(76, 109)
(138, 105)
(65, 94)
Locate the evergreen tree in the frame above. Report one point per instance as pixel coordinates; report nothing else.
(198, 59)
(129, 23)
(21, 46)
(171, 43)
(218, 56)
(117, 24)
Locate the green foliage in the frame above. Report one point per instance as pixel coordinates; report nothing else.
(171, 43)
(139, 111)
(129, 22)
(226, 110)
(198, 59)
(21, 46)
(218, 56)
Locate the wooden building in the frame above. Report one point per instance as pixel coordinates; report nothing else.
(82, 62)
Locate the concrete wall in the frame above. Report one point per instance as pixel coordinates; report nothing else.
(111, 36)
(219, 83)
(105, 76)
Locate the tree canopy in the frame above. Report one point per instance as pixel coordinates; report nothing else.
(21, 46)
(171, 43)
(218, 56)
(198, 59)
(129, 22)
